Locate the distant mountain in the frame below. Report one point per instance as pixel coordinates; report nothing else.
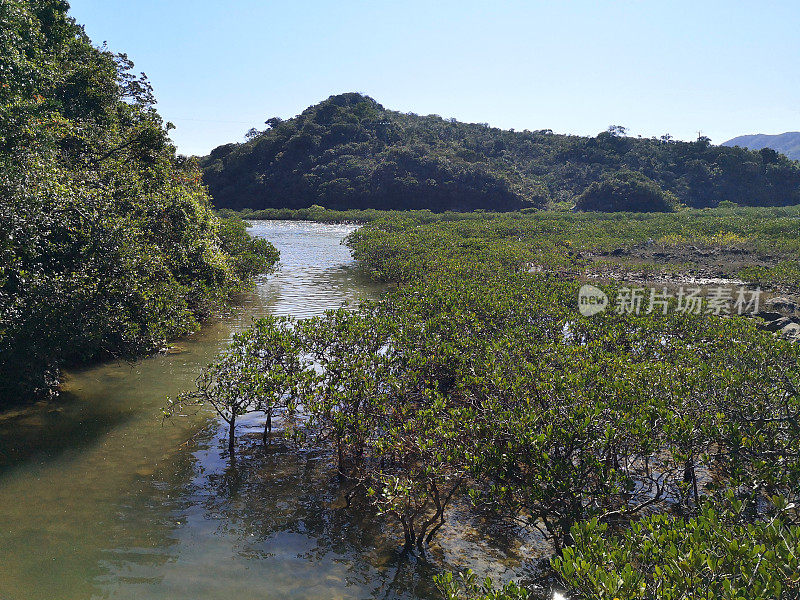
(786, 143)
(350, 152)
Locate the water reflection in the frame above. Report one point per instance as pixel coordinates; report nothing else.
(264, 526)
(99, 499)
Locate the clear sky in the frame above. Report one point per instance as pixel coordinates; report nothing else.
(725, 68)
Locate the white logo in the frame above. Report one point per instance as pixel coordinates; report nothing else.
(591, 300)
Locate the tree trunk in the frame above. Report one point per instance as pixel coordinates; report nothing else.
(408, 531)
(689, 476)
(268, 427)
(232, 435)
(340, 455)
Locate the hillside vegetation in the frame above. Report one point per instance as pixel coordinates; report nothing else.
(108, 246)
(349, 152)
(786, 143)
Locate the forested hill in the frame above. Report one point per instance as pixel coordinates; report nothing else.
(350, 152)
(786, 143)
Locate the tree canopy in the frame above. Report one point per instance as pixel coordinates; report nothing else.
(108, 245)
(626, 191)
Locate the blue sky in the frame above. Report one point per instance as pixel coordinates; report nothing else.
(725, 68)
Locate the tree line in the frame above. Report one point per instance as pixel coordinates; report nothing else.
(349, 152)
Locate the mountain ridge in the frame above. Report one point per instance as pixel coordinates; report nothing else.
(787, 143)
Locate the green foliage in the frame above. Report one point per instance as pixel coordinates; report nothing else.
(249, 256)
(402, 247)
(719, 554)
(467, 587)
(785, 273)
(624, 415)
(108, 246)
(349, 152)
(366, 215)
(261, 370)
(475, 377)
(626, 191)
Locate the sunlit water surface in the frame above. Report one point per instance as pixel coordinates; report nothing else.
(101, 499)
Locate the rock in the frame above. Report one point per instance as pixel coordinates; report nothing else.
(791, 331)
(779, 324)
(769, 316)
(172, 349)
(618, 252)
(782, 304)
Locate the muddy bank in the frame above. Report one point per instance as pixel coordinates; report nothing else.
(652, 265)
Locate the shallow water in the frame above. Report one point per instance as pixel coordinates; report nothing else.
(101, 499)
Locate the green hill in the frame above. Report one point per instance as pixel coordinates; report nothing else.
(350, 152)
(786, 143)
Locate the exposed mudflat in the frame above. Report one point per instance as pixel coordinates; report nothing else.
(674, 267)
